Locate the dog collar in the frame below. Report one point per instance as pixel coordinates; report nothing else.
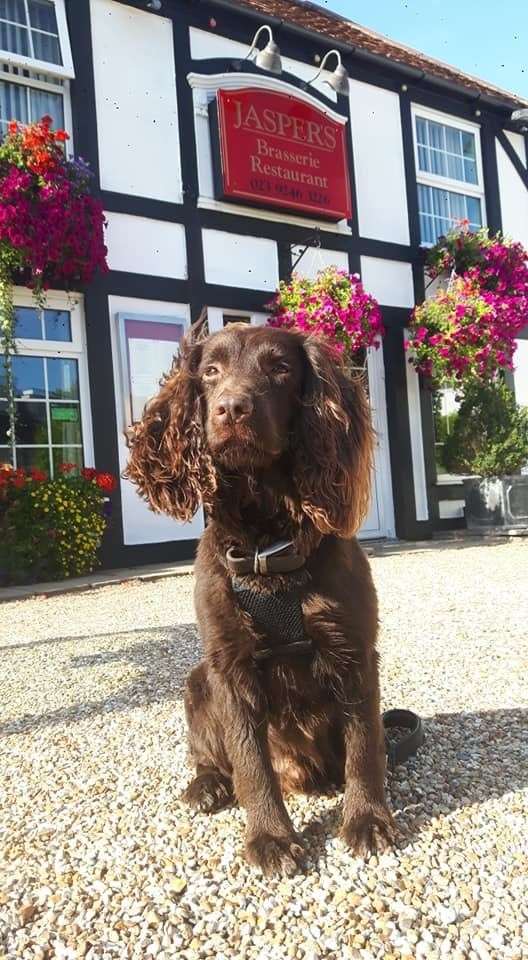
(280, 557)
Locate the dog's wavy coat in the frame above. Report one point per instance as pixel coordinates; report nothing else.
(264, 428)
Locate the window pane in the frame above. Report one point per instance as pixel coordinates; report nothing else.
(438, 163)
(42, 15)
(440, 209)
(28, 375)
(33, 458)
(13, 10)
(452, 140)
(474, 211)
(57, 325)
(13, 104)
(14, 39)
(4, 423)
(468, 145)
(436, 135)
(65, 423)
(31, 423)
(63, 379)
(470, 171)
(6, 455)
(421, 130)
(47, 104)
(450, 152)
(28, 324)
(46, 47)
(66, 455)
(423, 159)
(455, 168)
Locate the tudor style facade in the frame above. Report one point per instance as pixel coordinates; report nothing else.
(140, 90)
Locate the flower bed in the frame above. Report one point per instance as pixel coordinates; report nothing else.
(51, 529)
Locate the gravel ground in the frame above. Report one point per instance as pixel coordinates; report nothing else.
(100, 859)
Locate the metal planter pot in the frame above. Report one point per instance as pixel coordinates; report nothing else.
(497, 503)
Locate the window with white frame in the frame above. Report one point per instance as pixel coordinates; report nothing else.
(35, 62)
(50, 387)
(448, 172)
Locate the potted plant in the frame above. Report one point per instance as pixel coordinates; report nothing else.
(489, 441)
(335, 306)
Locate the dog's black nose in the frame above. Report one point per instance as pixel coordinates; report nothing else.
(234, 407)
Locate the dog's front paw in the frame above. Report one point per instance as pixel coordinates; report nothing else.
(209, 792)
(274, 854)
(370, 831)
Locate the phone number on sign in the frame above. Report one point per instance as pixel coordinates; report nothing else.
(289, 193)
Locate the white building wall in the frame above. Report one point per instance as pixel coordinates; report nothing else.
(513, 198)
(233, 260)
(378, 163)
(390, 281)
(137, 113)
(142, 245)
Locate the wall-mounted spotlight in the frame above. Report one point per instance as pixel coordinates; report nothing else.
(338, 80)
(269, 58)
(154, 4)
(521, 117)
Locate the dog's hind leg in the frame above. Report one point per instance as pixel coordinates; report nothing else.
(212, 787)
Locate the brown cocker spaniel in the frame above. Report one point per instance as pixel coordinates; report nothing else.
(265, 429)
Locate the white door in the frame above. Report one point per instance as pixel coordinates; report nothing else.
(380, 519)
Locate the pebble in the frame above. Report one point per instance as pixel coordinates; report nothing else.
(103, 861)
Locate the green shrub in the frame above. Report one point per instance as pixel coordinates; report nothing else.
(490, 433)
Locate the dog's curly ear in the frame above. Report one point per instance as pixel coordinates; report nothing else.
(333, 444)
(168, 461)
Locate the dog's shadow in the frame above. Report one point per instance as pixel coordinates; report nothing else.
(466, 760)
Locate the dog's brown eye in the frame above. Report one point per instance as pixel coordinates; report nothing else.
(211, 371)
(281, 367)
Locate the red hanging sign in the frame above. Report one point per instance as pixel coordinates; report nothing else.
(276, 150)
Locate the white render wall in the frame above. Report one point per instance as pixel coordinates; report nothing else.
(234, 260)
(137, 113)
(513, 198)
(390, 281)
(142, 245)
(378, 163)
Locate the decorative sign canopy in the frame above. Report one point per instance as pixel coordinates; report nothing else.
(277, 150)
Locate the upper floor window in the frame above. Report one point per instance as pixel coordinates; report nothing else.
(27, 102)
(448, 172)
(34, 33)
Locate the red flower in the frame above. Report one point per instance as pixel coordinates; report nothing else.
(67, 467)
(12, 127)
(61, 135)
(38, 475)
(19, 480)
(106, 482)
(89, 473)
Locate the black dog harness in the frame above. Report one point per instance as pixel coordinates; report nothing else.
(278, 616)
